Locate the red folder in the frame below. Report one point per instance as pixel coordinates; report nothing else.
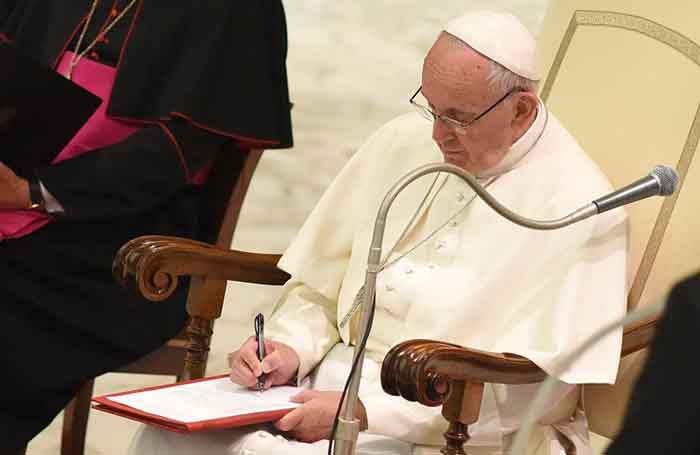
(104, 403)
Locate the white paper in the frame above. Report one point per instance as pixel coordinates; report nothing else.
(207, 400)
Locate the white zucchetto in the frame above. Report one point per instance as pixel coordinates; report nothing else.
(501, 37)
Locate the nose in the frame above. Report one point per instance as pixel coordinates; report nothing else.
(441, 132)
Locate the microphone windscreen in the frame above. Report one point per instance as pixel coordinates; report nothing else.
(668, 179)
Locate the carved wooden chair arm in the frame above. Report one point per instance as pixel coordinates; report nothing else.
(423, 370)
(151, 265)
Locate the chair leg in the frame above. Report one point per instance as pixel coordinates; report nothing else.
(75, 419)
(461, 409)
(200, 331)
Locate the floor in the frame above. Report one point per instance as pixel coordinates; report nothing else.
(352, 67)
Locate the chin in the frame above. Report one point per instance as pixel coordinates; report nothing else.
(455, 161)
(451, 159)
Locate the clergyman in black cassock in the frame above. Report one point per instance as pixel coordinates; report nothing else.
(197, 76)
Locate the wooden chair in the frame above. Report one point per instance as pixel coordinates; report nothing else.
(582, 88)
(186, 355)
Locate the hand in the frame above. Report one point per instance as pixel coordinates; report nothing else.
(14, 190)
(313, 420)
(280, 364)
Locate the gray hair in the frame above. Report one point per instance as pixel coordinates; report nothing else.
(500, 79)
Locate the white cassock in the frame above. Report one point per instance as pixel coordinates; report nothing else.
(476, 280)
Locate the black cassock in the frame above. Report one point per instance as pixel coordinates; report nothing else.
(213, 72)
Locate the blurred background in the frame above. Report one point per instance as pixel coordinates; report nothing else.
(352, 67)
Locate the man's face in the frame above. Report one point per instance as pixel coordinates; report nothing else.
(455, 84)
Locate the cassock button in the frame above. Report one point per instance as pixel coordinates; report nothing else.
(431, 265)
(389, 287)
(440, 245)
(453, 224)
(408, 271)
(460, 197)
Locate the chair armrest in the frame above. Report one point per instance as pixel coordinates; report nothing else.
(422, 370)
(638, 336)
(151, 265)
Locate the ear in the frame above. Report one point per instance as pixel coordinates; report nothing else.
(525, 110)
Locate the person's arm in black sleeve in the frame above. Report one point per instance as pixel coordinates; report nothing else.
(664, 408)
(132, 176)
(6, 8)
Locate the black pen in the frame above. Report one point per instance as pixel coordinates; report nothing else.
(260, 338)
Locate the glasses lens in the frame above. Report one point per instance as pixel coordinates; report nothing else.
(421, 104)
(424, 111)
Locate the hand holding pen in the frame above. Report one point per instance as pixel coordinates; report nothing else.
(265, 364)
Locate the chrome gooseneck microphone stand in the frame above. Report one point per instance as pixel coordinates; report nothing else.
(348, 427)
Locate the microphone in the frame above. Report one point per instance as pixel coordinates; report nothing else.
(661, 181)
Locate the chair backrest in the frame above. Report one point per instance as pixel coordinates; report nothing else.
(626, 83)
(224, 194)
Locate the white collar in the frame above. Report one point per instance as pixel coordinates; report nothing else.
(522, 146)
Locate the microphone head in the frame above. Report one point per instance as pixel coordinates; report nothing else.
(667, 178)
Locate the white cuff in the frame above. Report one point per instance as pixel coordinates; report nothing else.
(51, 205)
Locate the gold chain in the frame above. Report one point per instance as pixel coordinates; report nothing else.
(77, 56)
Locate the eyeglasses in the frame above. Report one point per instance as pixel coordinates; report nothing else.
(456, 125)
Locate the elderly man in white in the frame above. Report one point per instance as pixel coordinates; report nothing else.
(459, 272)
